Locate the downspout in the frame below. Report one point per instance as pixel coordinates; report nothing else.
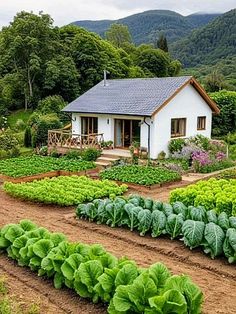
(149, 135)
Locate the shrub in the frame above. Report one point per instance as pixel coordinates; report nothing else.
(51, 104)
(226, 121)
(215, 166)
(43, 151)
(232, 152)
(161, 155)
(176, 145)
(200, 141)
(28, 137)
(20, 125)
(91, 154)
(73, 154)
(231, 138)
(3, 122)
(45, 123)
(15, 152)
(7, 140)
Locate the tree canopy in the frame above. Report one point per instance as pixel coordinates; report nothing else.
(118, 34)
(38, 60)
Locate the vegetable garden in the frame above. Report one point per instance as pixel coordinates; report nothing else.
(140, 175)
(26, 166)
(98, 275)
(196, 226)
(64, 191)
(219, 195)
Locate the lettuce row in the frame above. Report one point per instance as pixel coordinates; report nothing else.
(98, 275)
(64, 191)
(216, 194)
(195, 225)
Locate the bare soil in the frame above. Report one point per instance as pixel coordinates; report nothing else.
(216, 278)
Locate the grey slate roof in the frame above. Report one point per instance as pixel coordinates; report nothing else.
(139, 97)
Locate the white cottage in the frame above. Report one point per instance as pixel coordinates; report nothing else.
(151, 111)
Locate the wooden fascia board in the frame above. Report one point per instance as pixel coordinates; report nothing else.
(205, 96)
(172, 96)
(199, 89)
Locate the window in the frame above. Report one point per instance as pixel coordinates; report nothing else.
(178, 127)
(201, 123)
(89, 125)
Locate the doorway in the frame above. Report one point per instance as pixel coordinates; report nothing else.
(126, 132)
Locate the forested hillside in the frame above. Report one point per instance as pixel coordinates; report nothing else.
(38, 60)
(214, 42)
(145, 27)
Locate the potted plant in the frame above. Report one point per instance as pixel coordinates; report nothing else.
(136, 146)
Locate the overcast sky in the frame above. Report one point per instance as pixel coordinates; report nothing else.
(66, 11)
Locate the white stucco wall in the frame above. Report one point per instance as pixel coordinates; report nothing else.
(106, 125)
(186, 104)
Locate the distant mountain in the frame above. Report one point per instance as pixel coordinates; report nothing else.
(200, 18)
(145, 27)
(209, 44)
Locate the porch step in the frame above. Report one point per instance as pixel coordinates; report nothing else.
(108, 158)
(103, 163)
(116, 153)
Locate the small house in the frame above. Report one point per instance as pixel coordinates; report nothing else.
(147, 111)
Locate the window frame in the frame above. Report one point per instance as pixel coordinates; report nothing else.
(89, 124)
(178, 121)
(200, 120)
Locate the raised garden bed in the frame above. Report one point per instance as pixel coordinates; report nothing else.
(50, 174)
(141, 175)
(35, 165)
(64, 191)
(217, 194)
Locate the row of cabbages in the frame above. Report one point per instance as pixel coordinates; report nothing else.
(194, 225)
(96, 274)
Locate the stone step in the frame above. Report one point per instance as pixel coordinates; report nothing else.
(103, 163)
(107, 159)
(111, 156)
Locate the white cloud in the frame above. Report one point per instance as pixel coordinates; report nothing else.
(66, 11)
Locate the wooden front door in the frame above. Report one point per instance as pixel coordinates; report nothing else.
(126, 132)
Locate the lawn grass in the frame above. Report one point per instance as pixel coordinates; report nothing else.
(20, 114)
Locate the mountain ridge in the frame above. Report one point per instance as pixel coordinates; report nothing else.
(146, 26)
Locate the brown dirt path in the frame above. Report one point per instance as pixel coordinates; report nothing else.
(216, 278)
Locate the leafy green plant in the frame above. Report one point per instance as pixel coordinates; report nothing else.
(143, 175)
(31, 165)
(176, 145)
(91, 154)
(195, 226)
(96, 274)
(64, 191)
(212, 194)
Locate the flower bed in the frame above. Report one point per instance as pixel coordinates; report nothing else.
(203, 154)
(98, 275)
(143, 175)
(32, 165)
(64, 191)
(212, 194)
(196, 226)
